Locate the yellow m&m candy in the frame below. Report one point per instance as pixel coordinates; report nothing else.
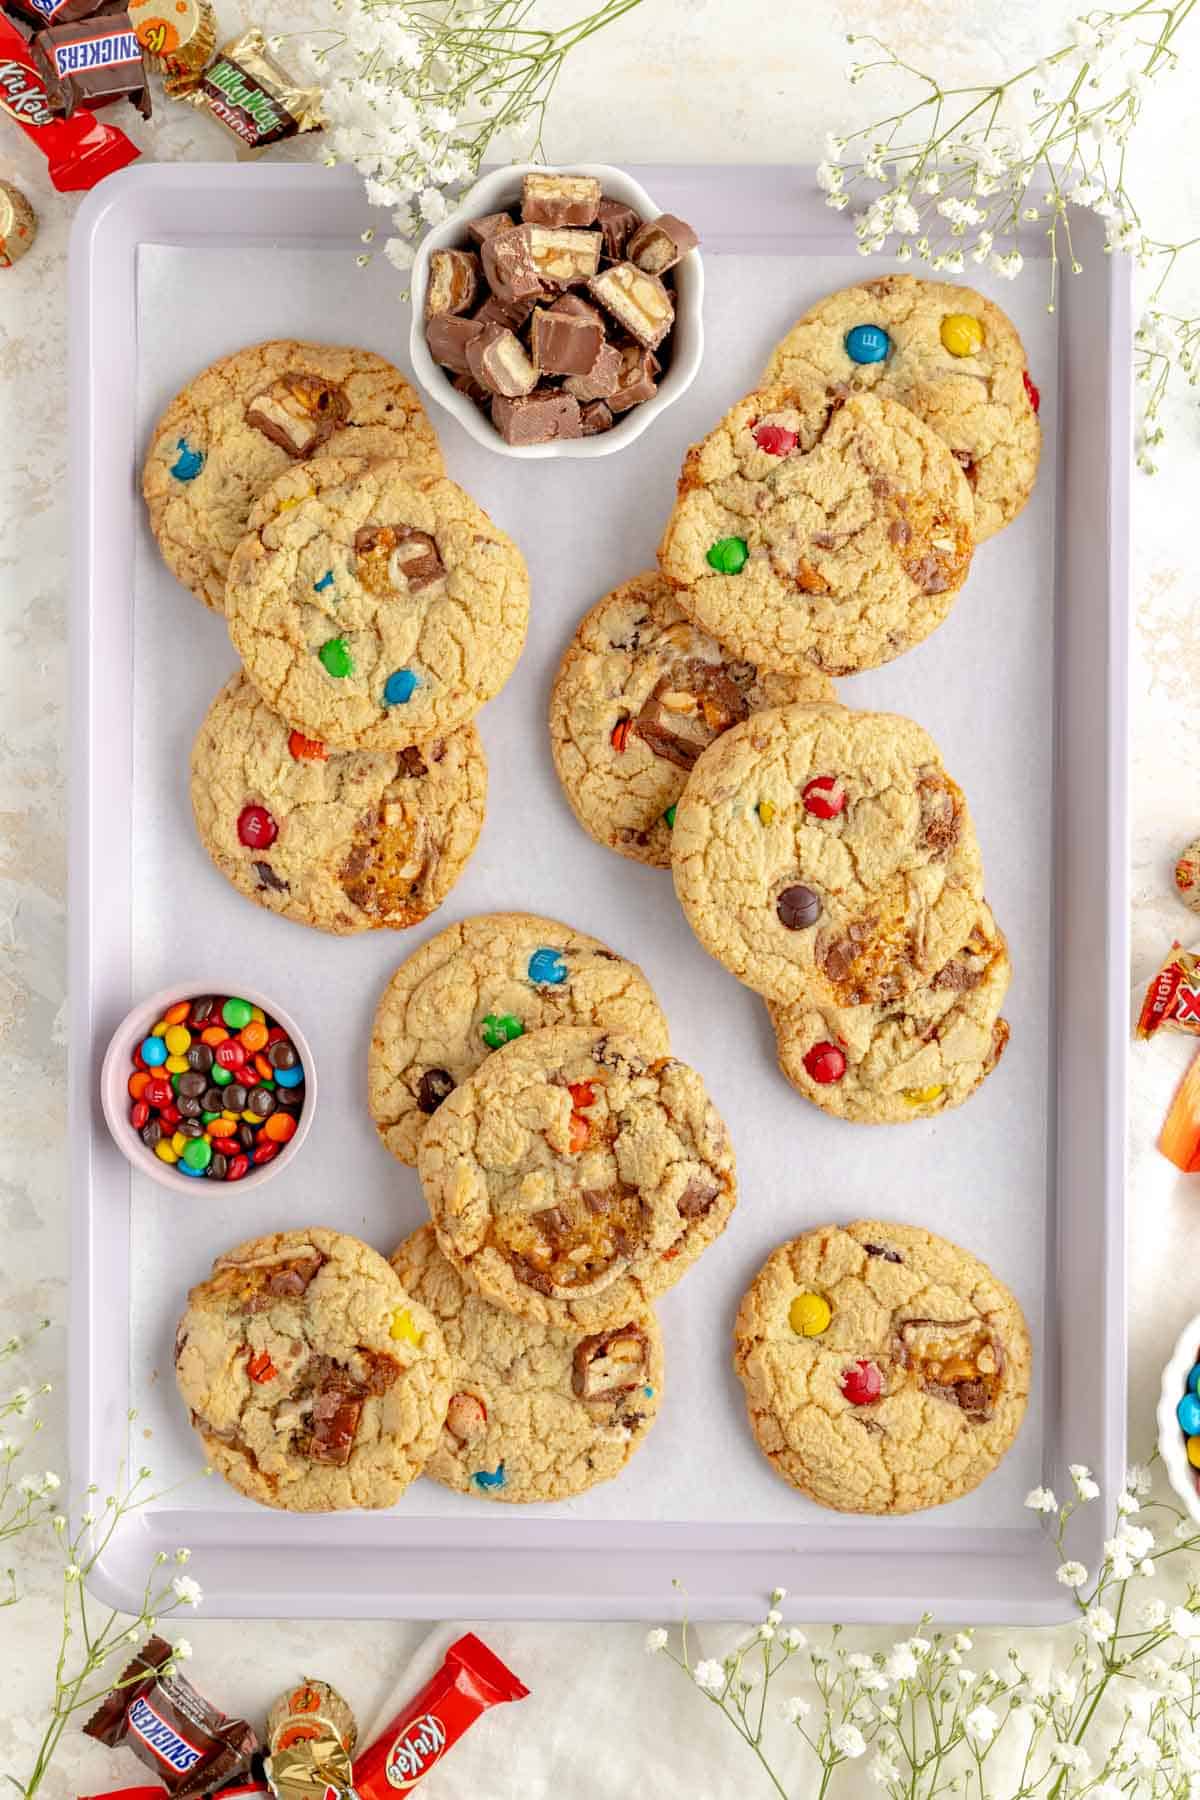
(809, 1315)
(922, 1096)
(404, 1330)
(962, 334)
(1193, 1452)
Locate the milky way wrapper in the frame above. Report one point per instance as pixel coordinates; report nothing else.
(190, 1746)
(248, 91)
(1172, 1000)
(470, 1680)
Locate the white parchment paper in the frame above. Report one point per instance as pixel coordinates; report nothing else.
(982, 686)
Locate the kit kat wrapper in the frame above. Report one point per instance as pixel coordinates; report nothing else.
(471, 1679)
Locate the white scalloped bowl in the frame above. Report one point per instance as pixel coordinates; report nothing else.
(1171, 1442)
(501, 192)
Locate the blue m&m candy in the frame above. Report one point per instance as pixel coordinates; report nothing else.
(1188, 1414)
(547, 968)
(292, 1077)
(867, 343)
(1193, 1380)
(154, 1052)
(485, 1479)
(400, 686)
(188, 463)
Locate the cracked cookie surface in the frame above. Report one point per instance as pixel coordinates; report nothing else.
(977, 395)
(886, 1064)
(574, 1177)
(911, 1382)
(344, 841)
(639, 694)
(482, 983)
(811, 530)
(247, 418)
(314, 1381)
(825, 853)
(536, 1413)
(372, 609)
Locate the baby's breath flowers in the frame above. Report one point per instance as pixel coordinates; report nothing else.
(964, 172)
(418, 91)
(90, 1636)
(1117, 1715)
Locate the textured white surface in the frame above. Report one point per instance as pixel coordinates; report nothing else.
(685, 80)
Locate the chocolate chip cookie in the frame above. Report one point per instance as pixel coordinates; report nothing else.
(478, 985)
(640, 693)
(905, 1059)
(536, 1413)
(247, 418)
(885, 1369)
(825, 855)
(812, 530)
(575, 1176)
(342, 840)
(374, 609)
(314, 1380)
(949, 355)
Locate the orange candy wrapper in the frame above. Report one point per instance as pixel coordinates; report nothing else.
(1172, 1000)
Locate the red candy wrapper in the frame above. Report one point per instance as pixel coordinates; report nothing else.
(1172, 1000)
(469, 1681)
(80, 150)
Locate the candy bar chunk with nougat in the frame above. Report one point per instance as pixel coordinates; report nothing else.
(660, 243)
(636, 300)
(453, 282)
(564, 257)
(559, 199)
(497, 360)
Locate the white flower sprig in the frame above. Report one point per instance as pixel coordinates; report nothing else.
(418, 92)
(1119, 1716)
(964, 171)
(89, 1640)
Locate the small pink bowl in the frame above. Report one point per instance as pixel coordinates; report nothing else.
(119, 1065)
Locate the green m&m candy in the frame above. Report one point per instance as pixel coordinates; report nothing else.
(235, 1013)
(669, 818)
(500, 1028)
(335, 657)
(728, 555)
(197, 1153)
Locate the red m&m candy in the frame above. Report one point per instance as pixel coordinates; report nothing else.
(824, 797)
(825, 1063)
(776, 440)
(1035, 398)
(862, 1384)
(256, 828)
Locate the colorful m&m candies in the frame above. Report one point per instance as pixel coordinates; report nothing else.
(1188, 1414)
(217, 1087)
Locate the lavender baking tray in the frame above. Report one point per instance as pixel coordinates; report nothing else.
(1024, 690)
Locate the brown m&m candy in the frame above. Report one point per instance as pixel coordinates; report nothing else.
(798, 907)
(18, 225)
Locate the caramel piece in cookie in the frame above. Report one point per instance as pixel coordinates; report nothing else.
(911, 1058)
(373, 609)
(823, 854)
(885, 1369)
(478, 985)
(575, 1176)
(640, 693)
(949, 355)
(313, 1379)
(811, 530)
(245, 420)
(345, 841)
(537, 1413)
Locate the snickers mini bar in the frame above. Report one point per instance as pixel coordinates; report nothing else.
(189, 1746)
(94, 61)
(80, 150)
(470, 1680)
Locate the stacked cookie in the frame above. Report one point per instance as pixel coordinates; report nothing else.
(825, 526)
(299, 489)
(574, 1170)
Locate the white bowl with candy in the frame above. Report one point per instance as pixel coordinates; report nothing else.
(557, 312)
(1179, 1418)
(208, 1086)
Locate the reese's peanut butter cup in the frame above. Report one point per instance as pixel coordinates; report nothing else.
(178, 36)
(18, 224)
